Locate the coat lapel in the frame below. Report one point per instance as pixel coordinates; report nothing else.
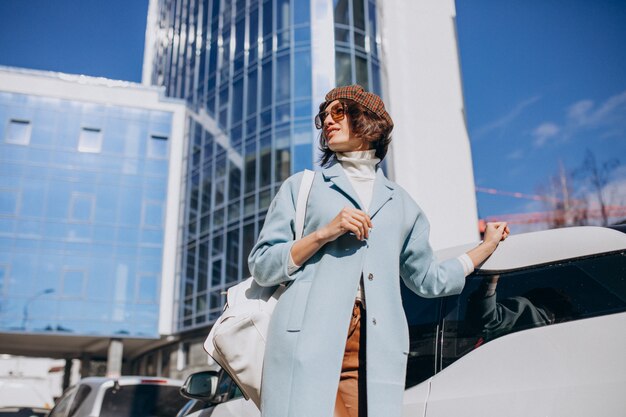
(340, 181)
(383, 192)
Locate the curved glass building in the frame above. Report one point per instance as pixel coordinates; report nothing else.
(253, 73)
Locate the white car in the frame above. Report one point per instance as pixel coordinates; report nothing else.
(539, 330)
(126, 396)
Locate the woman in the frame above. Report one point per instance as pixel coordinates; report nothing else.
(338, 340)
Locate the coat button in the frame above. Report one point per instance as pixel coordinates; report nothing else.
(370, 277)
(374, 321)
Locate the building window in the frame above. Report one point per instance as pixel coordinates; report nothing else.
(157, 147)
(81, 207)
(4, 274)
(152, 214)
(8, 201)
(146, 288)
(73, 283)
(18, 132)
(90, 140)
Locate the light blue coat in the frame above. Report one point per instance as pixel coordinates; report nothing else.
(308, 331)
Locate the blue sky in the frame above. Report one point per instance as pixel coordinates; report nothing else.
(544, 80)
(92, 37)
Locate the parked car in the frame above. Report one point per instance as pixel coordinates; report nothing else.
(126, 396)
(537, 331)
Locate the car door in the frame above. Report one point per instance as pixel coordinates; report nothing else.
(423, 318)
(63, 405)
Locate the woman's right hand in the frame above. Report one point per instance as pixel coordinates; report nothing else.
(349, 220)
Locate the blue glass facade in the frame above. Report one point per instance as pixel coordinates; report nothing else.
(357, 45)
(82, 205)
(245, 68)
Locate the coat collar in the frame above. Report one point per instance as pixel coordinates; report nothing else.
(382, 193)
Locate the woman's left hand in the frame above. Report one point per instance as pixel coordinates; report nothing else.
(495, 232)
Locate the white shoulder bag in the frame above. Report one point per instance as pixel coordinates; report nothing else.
(237, 339)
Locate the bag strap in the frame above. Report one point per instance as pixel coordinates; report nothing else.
(303, 197)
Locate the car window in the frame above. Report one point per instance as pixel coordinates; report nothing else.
(422, 316)
(223, 387)
(81, 393)
(63, 405)
(227, 389)
(142, 401)
(197, 406)
(492, 306)
(235, 392)
(191, 407)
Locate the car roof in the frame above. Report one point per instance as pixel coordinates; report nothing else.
(544, 247)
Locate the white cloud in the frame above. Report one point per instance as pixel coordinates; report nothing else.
(502, 122)
(584, 114)
(614, 106)
(545, 131)
(607, 118)
(516, 154)
(578, 113)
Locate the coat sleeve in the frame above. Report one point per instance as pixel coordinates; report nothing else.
(269, 258)
(421, 271)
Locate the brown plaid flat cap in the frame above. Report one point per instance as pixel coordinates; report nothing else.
(356, 93)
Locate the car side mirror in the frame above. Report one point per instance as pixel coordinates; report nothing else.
(200, 386)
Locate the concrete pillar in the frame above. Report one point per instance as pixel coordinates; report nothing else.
(67, 373)
(432, 158)
(159, 362)
(114, 358)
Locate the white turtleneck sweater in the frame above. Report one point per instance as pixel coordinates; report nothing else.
(360, 168)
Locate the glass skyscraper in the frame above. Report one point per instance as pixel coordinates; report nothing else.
(253, 73)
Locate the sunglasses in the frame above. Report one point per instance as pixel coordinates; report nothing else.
(337, 112)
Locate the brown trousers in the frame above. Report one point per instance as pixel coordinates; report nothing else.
(351, 394)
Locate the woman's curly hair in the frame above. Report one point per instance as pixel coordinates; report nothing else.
(364, 124)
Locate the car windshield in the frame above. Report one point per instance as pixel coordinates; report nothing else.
(142, 401)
